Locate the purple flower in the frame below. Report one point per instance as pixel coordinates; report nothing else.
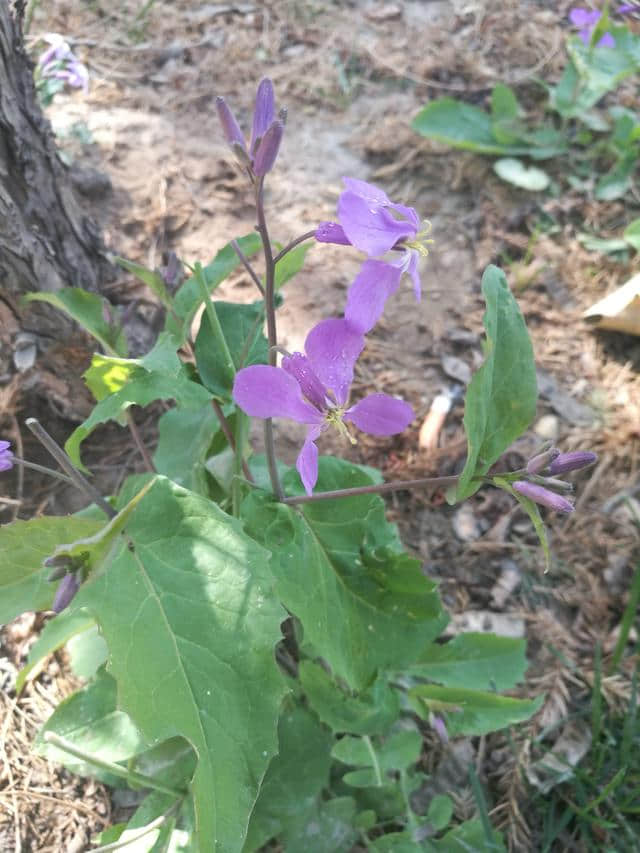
(586, 21)
(542, 460)
(266, 134)
(67, 588)
(60, 62)
(6, 456)
(313, 389)
(542, 496)
(572, 461)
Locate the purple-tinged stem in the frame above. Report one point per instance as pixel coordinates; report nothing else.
(306, 236)
(68, 467)
(247, 265)
(226, 429)
(137, 438)
(270, 310)
(380, 488)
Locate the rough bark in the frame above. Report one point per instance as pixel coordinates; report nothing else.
(46, 241)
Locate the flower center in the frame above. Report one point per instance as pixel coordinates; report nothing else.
(334, 418)
(421, 241)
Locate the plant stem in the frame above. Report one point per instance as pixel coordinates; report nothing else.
(68, 467)
(43, 470)
(272, 336)
(247, 265)
(374, 760)
(379, 488)
(133, 429)
(306, 236)
(226, 429)
(131, 776)
(628, 618)
(214, 322)
(150, 827)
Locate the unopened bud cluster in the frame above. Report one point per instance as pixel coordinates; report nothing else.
(542, 470)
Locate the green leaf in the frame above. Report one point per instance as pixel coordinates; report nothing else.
(504, 112)
(184, 461)
(87, 652)
(471, 712)
(187, 611)
(328, 829)
(24, 545)
(151, 278)
(366, 713)
(141, 389)
(88, 310)
(469, 837)
(92, 721)
(364, 604)
(291, 264)
(632, 234)
(533, 511)
(479, 661)
(501, 397)
(242, 327)
(189, 295)
(395, 842)
(515, 172)
(440, 811)
(462, 126)
(295, 777)
(56, 633)
(618, 180)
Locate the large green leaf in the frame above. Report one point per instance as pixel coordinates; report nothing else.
(471, 712)
(242, 328)
(480, 661)
(88, 310)
(295, 777)
(364, 604)
(141, 388)
(501, 397)
(189, 296)
(365, 713)
(187, 611)
(184, 438)
(24, 545)
(92, 721)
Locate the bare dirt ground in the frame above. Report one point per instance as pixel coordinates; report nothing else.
(352, 76)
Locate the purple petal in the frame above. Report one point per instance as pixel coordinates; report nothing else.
(565, 462)
(584, 17)
(412, 269)
(307, 461)
(299, 367)
(6, 462)
(4, 445)
(230, 127)
(263, 113)
(369, 292)
(331, 232)
(369, 192)
(607, 40)
(267, 152)
(263, 391)
(409, 213)
(380, 414)
(542, 496)
(333, 347)
(371, 229)
(65, 593)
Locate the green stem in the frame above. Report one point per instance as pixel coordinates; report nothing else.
(43, 470)
(214, 322)
(628, 618)
(270, 310)
(131, 776)
(131, 839)
(374, 761)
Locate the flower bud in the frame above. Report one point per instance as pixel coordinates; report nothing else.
(572, 461)
(268, 148)
(65, 593)
(439, 726)
(230, 126)
(61, 566)
(263, 115)
(331, 232)
(542, 460)
(542, 496)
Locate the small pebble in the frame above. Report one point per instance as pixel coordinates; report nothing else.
(548, 427)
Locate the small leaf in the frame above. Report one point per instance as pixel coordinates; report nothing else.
(479, 661)
(53, 636)
(291, 264)
(369, 712)
(504, 112)
(184, 461)
(151, 278)
(24, 545)
(501, 397)
(632, 234)
(88, 310)
(440, 811)
(471, 712)
(618, 180)
(87, 652)
(468, 837)
(515, 172)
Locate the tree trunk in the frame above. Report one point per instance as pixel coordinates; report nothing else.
(46, 241)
